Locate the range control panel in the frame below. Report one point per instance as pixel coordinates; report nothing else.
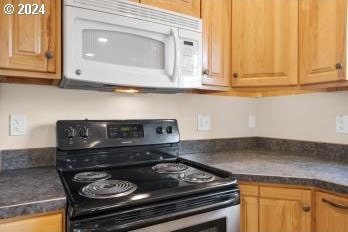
(86, 134)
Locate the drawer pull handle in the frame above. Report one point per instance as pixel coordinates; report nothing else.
(337, 205)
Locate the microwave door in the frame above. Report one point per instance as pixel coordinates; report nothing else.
(117, 50)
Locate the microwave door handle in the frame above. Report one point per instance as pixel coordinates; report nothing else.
(174, 75)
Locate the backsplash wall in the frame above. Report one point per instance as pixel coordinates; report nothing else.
(44, 105)
(301, 117)
(309, 117)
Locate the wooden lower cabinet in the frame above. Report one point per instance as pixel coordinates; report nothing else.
(331, 213)
(274, 209)
(249, 208)
(42, 223)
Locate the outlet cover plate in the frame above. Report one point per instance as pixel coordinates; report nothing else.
(342, 124)
(252, 121)
(17, 125)
(203, 122)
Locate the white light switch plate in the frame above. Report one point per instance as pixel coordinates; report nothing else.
(342, 124)
(203, 122)
(17, 125)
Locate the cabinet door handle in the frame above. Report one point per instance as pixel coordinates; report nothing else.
(235, 75)
(339, 66)
(306, 208)
(49, 55)
(336, 205)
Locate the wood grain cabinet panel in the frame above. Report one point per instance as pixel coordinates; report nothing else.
(264, 42)
(216, 16)
(249, 208)
(283, 209)
(30, 44)
(322, 40)
(274, 209)
(331, 213)
(190, 7)
(46, 223)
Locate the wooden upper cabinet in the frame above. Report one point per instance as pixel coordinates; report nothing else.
(190, 7)
(322, 40)
(331, 213)
(30, 44)
(216, 16)
(283, 209)
(264, 42)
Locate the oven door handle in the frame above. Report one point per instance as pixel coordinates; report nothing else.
(175, 73)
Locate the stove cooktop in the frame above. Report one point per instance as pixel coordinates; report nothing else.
(147, 186)
(110, 167)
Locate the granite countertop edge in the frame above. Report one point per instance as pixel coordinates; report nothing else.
(242, 165)
(320, 184)
(31, 191)
(31, 208)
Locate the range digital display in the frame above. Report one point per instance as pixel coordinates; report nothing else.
(125, 131)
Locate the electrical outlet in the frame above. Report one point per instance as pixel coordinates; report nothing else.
(252, 121)
(342, 124)
(17, 125)
(203, 122)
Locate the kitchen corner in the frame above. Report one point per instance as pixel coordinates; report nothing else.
(174, 116)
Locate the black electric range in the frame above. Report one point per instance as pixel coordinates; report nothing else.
(126, 175)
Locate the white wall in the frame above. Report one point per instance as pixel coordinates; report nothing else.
(302, 117)
(310, 117)
(44, 105)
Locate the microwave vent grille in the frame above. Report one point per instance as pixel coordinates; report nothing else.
(142, 12)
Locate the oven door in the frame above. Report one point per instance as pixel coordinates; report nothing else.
(118, 50)
(222, 220)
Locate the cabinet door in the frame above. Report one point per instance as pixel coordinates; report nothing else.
(322, 40)
(249, 208)
(190, 7)
(29, 41)
(283, 209)
(47, 223)
(331, 213)
(264, 42)
(216, 16)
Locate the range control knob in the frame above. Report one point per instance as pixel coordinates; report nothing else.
(159, 130)
(70, 133)
(169, 129)
(84, 132)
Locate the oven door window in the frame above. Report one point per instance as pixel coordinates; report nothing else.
(211, 226)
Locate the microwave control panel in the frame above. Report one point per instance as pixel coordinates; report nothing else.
(189, 57)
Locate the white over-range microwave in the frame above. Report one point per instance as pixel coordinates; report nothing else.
(113, 43)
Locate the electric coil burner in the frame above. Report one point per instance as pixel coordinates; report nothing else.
(108, 189)
(128, 176)
(91, 176)
(170, 168)
(198, 177)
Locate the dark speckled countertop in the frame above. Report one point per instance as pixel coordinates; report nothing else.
(279, 167)
(31, 190)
